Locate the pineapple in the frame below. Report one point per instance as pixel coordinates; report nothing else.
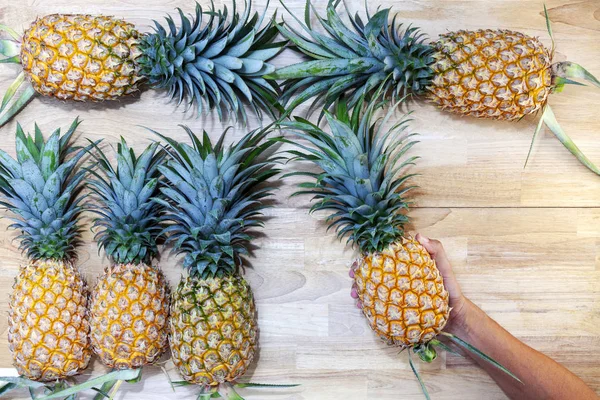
(498, 74)
(210, 59)
(130, 303)
(214, 197)
(48, 324)
(402, 291)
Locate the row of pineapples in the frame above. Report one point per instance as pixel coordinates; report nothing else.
(204, 199)
(214, 61)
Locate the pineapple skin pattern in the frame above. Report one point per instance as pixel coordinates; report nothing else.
(81, 57)
(498, 74)
(129, 315)
(402, 293)
(214, 332)
(48, 324)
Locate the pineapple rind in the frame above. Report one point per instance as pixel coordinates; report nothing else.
(498, 74)
(129, 315)
(214, 332)
(47, 322)
(81, 57)
(402, 293)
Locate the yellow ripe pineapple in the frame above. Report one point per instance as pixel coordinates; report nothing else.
(214, 196)
(81, 57)
(213, 60)
(401, 290)
(130, 303)
(48, 324)
(486, 73)
(402, 293)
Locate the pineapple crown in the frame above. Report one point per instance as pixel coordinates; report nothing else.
(358, 183)
(214, 197)
(220, 63)
(129, 219)
(42, 189)
(354, 59)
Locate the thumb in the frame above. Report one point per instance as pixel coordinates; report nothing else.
(433, 247)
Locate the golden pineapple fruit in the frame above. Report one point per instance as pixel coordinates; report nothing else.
(81, 57)
(129, 315)
(47, 322)
(214, 331)
(402, 293)
(487, 73)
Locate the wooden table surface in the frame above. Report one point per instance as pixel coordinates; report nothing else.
(524, 242)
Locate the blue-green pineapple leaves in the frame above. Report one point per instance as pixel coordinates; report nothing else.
(214, 196)
(215, 60)
(42, 190)
(353, 59)
(359, 163)
(128, 217)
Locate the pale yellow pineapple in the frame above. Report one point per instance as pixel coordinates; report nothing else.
(129, 314)
(214, 332)
(214, 196)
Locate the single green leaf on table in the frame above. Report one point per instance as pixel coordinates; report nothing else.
(414, 370)
(550, 120)
(537, 131)
(125, 375)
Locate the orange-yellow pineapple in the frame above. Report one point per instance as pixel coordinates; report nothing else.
(497, 74)
(214, 61)
(486, 73)
(81, 57)
(47, 322)
(130, 302)
(402, 293)
(401, 290)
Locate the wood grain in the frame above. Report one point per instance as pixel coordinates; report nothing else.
(524, 242)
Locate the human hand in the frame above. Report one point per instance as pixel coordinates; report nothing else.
(458, 302)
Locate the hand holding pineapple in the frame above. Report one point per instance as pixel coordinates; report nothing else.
(473, 325)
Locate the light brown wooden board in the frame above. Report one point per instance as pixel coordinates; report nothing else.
(524, 242)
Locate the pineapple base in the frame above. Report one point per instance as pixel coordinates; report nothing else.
(214, 333)
(47, 322)
(129, 313)
(402, 293)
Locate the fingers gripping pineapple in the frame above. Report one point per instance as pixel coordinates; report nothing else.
(215, 195)
(487, 73)
(130, 303)
(47, 321)
(401, 290)
(210, 59)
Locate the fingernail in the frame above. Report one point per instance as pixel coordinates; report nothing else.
(422, 239)
(359, 304)
(351, 273)
(353, 293)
